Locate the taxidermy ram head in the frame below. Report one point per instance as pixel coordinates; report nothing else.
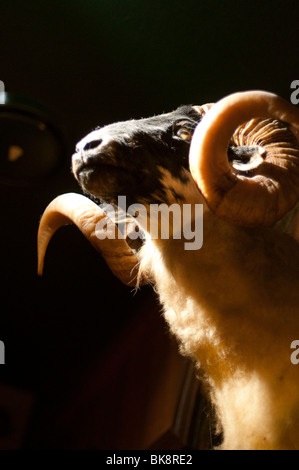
(233, 303)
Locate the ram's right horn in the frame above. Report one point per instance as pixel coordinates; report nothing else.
(85, 214)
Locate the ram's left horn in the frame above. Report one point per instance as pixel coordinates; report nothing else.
(85, 214)
(264, 192)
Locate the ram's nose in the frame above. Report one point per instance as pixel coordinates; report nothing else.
(95, 149)
(93, 143)
(92, 152)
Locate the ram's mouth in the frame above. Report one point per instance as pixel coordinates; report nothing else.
(105, 181)
(82, 161)
(101, 177)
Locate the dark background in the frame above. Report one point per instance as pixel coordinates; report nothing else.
(92, 62)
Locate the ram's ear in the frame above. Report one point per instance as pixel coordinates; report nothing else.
(202, 109)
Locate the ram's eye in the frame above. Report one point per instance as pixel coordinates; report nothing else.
(183, 130)
(184, 133)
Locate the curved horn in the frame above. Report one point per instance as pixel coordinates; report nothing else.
(85, 214)
(270, 187)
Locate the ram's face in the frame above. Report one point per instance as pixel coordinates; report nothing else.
(132, 158)
(247, 175)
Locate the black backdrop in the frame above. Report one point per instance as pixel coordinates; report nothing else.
(93, 62)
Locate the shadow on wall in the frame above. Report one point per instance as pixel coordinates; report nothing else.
(52, 327)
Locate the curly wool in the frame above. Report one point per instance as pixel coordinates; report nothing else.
(232, 306)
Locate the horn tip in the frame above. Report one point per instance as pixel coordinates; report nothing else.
(40, 268)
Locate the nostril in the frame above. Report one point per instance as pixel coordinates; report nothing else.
(92, 145)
